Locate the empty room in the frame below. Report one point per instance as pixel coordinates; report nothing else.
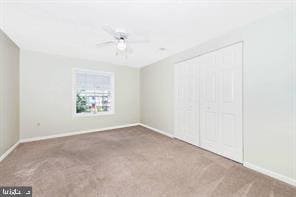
(170, 98)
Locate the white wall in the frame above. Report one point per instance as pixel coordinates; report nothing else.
(268, 94)
(157, 91)
(269, 76)
(9, 93)
(46, 95)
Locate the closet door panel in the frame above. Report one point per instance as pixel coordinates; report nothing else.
(221, 102)
(231, 102)
(186, 102)
(179, 96)
(209, 103)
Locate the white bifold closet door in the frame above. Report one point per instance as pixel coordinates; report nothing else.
(209, 101)
(187, 102)
(221, 102)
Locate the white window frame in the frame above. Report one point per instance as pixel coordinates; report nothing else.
(110, 74)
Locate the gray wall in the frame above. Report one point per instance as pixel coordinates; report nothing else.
(9, 93)
(46, 95)
(269, 96)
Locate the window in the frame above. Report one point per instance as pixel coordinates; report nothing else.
(93, 92)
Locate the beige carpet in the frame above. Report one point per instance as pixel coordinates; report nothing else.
(131, 162)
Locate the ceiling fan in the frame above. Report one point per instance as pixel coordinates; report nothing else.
(121, 40)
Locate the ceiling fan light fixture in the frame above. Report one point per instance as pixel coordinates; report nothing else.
(121, 45)
(121, 40)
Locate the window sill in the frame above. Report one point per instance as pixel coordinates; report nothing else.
(81, 115)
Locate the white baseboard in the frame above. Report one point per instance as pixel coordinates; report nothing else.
(9, 151)
(157, 130)
(75, 133)
(271, 174)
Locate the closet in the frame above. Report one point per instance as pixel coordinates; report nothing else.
(208, 101)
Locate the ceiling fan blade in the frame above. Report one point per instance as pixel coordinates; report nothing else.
(110, 31)
(103, 44)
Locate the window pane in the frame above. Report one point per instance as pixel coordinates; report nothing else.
(93, 92)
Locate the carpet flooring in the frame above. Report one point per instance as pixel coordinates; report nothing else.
(131, 162)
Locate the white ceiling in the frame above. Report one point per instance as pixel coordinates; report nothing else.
(73, 28)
